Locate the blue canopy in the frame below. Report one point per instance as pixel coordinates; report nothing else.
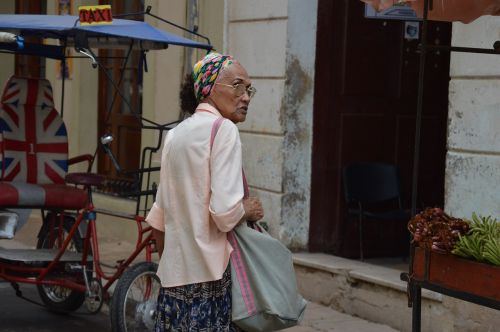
(67, 29)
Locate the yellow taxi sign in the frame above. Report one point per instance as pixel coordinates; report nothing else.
(93, 15)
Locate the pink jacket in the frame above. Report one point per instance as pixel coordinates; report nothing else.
(199, 199)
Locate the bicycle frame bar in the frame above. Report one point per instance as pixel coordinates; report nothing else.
(37, 275)
(140, 245)
(63, 248)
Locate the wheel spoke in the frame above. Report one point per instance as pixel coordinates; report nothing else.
(58, 298)
(140, 305)
(134, 301)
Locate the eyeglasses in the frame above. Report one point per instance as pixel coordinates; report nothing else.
(240, 89)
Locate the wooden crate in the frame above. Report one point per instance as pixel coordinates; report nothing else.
(456, 273)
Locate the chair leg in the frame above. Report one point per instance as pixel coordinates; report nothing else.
(361, 238)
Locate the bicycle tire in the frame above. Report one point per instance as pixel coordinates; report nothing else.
(127, 314)
(73, 299)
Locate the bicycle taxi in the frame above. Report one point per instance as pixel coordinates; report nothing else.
(66, 266)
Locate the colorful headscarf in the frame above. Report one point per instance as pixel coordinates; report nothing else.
(205, 73)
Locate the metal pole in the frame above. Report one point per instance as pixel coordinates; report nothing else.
(416, 309)
(418, 120)
(64, 66)
(417, 291)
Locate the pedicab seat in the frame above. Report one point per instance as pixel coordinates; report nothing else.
(34, 149)
(47, 196)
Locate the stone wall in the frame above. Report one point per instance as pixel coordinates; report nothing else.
(473, 159)
(275, 41)
(256, 36)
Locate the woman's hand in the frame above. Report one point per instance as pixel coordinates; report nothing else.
(253, 209)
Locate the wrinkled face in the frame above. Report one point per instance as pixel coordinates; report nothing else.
(224, 97)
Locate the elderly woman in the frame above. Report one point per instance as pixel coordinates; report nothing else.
(200, 199)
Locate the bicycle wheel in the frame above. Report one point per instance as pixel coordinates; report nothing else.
(56, 298)
(133, 304)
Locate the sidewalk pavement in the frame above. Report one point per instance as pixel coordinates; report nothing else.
(317, 318)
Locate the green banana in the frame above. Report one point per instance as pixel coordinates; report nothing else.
(492, 251)
(482, 242)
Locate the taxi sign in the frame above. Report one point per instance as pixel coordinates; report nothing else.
(93, 15)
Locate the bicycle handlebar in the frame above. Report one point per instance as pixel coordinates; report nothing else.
(105, 141)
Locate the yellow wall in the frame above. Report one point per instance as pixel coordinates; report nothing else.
(211, 23)
(160, 90)
(162, 83)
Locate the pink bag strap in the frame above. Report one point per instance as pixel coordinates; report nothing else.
(215, 129)
(236, 259)
(238, 263)
(246, 192)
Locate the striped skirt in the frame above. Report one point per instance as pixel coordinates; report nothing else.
(200, 307)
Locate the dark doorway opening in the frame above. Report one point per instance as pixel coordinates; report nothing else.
(364, 111)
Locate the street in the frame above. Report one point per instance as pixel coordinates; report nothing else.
(20, 315)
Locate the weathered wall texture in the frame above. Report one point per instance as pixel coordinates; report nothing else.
(297, 118)
(275, 41)
(473, 159)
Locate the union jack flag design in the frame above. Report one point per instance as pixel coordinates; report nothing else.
(34, 143)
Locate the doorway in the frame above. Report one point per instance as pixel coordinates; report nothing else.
(30, 65)
(115, 116)
(364, 111)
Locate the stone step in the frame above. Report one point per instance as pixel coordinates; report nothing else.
(376, 293)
